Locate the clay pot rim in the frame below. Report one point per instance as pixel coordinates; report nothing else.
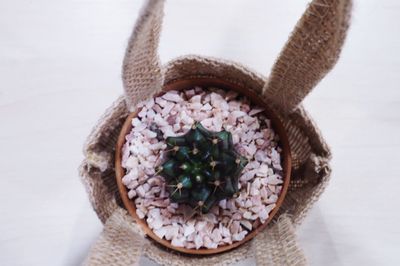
(254, 98)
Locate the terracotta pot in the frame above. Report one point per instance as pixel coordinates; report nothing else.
(255, 100)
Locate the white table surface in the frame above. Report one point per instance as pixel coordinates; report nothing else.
(60, 64)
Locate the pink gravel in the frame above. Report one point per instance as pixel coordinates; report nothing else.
(260, 183)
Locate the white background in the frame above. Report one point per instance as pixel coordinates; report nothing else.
(60, 64)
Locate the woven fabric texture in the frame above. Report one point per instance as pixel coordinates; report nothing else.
(121, 242)
(311, 51)
(142, 72)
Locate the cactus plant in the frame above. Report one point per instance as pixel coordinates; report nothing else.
(202, 167)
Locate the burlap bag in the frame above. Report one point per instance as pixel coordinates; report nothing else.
(311, 51)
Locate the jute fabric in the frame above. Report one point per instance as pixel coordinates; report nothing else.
(311, 51)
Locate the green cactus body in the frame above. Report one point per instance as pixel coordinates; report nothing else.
(202, 167)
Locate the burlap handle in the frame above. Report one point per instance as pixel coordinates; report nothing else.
(278, 245)
(309, 54)
(142, 74)
(311, 51)
(120, 243)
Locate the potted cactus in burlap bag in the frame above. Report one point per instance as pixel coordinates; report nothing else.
(208, 158)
